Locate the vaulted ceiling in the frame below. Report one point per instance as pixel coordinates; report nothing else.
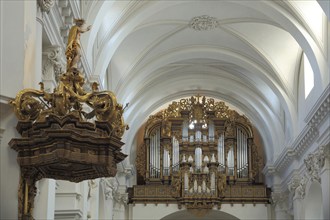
(247, 53)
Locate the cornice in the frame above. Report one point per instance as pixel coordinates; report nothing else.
(306, 137)
(75, 8)
(320, 109)
(52, 24)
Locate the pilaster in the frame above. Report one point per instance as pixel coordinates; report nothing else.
(70, 200)
(297, 186)
(280, 204)
(325, 180)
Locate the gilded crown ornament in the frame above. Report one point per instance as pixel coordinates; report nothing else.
(70, 134)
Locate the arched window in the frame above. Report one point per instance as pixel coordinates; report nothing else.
(308, 76)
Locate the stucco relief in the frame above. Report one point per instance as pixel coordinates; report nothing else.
(297, 186)
(110, 186)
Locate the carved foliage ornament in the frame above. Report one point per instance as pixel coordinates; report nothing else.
(220, 109)
(53, 66)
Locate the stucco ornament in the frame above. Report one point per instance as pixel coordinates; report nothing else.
(300, 190)
(315, 162)
(46, 5)
(110, 186)
(297, 186)
(203, 23)
(54, 65)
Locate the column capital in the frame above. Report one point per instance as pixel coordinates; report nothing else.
(46, 5)
(53, 63)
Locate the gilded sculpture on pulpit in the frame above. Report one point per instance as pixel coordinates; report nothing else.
(73, 49)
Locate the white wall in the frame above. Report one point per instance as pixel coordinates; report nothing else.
(9, 175)
(152, 211)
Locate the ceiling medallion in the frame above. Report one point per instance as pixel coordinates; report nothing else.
(203, 23)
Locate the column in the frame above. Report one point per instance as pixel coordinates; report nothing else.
(93, 199)
(109, 187)
(45, 200)
(120, 203)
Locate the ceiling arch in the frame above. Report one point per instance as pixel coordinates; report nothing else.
(149, 53)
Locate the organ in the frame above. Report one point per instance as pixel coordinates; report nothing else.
(201, 152)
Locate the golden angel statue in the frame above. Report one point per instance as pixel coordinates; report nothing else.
(73, 49)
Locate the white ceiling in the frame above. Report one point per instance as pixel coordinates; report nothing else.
(148, 54)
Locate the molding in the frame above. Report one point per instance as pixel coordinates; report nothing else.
(5, 99)
(75, 8)
(52, 24)
(320, 108)
(68, 214)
